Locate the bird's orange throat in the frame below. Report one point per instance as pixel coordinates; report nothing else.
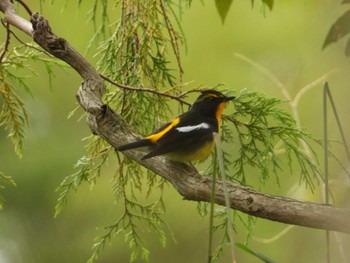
(219, 111)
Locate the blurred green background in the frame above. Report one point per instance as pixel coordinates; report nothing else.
(286, 41)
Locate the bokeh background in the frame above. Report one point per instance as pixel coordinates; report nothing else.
(286, 41)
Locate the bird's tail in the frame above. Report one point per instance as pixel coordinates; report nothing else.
(137, 144)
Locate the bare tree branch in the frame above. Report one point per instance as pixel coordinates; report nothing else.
(7, 41)
(13, 19)
(25, 6)
(186, 179)
(153, 91)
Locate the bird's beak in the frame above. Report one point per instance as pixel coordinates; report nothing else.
(228, 98)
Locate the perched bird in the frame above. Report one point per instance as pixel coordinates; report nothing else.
(190, 136)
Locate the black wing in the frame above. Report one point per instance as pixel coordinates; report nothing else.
(177, 141)
(137, 144)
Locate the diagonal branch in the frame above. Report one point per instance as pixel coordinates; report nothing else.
(126, 87)
(13, 19)
(186, 179)
(7, 42)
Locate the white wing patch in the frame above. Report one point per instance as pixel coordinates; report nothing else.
(202, 125)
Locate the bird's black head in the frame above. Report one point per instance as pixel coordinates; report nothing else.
(211, 103)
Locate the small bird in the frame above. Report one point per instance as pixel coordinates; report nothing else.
(190, 136)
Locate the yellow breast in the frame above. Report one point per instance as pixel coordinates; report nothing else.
(191, 156)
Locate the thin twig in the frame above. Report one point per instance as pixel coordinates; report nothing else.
(122, 36)
(326, 170)
(183, 94)
(159, 93)
(173, 39)
(25, 6)
(312, 85)
(275, 237)
(30, 46)
(335, 112)
(22, 42)
(230, 227)
(7, 40)
(211, 215)
(6, 6)
(268, 73)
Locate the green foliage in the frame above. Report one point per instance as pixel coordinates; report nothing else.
(266, 135)
(254, 253)
(8, 180)
(268, 3)
(126, 186)
(14, 71)
(223, 6)
(221, 229)
(99, 10)
(266, 139)
(222, 226)
(13, 114)
(88, 170)
(338, 30)
(136, 54)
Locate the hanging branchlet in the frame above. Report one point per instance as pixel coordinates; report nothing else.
(266, 134)
(14, 115)
(137, 55)
(134, 60)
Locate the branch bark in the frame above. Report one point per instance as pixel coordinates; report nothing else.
(186, 179)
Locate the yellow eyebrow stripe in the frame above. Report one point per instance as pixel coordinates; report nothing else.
(155, 137)
(213, 95)
(208, 95)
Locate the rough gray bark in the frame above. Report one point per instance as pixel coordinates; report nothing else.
(186, 179)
